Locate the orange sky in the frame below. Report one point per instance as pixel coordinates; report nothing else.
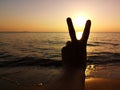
(50, 15)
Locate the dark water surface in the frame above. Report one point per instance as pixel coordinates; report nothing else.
(26, 49)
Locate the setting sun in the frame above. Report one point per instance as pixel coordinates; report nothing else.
(80, 21)
(78, 35)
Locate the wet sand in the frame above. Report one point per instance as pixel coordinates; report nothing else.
(102, 84)
(91, 84)
(30, 78)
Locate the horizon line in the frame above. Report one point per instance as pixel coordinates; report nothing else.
(45, 32)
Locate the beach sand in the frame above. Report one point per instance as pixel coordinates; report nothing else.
(91, 84)
(30, 78)
(102, 84)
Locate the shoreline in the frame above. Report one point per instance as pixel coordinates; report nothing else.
(34, 78)
(91, 84)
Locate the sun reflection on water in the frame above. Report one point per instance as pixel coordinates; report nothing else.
(89, 69)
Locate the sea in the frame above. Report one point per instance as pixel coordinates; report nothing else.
(25, 55)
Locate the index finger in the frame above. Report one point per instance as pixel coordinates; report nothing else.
(86, 31)
(71, 30)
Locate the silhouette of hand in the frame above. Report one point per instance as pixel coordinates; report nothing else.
(74, 53)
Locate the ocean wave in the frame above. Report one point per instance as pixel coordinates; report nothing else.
(34, 61)
(92, 45)
(100, 61)
(4, 55)
(30, 61)
(105, 54)
(107, 43)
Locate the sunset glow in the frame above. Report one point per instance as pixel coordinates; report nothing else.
(79, 35)
(80, 21)
(50, 15)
